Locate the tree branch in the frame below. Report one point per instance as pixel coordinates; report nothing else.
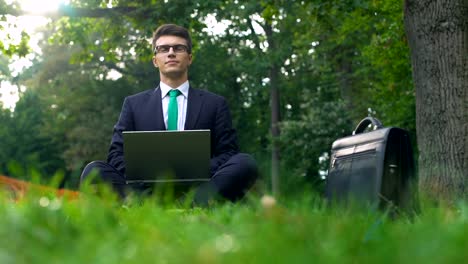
(253, 34)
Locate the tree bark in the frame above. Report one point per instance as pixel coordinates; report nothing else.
(275, 131)
(275, 112)
(437, 33)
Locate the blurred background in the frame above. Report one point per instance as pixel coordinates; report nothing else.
(297, 75)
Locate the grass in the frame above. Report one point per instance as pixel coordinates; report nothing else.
(42, 228)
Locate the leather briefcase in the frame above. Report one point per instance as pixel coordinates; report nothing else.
(375, 167)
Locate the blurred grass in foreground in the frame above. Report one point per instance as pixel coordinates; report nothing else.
(48, 229)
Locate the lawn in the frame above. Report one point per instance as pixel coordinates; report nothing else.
(41, 228)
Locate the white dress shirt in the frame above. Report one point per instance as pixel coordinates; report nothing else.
(181, 102)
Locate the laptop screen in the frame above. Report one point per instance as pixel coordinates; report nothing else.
(167, 156)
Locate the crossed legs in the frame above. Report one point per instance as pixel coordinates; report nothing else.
(231, 181)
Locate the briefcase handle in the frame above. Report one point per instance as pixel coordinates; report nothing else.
(365, 122)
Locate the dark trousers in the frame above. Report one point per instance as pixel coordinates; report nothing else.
(231, 181)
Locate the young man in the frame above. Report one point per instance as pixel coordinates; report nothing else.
(232, 173)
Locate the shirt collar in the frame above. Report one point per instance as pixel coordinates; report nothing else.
(183, 88)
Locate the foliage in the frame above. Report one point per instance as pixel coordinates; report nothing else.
(330, 61)
(4, 69)
(46, 228)
(306, 142)
(24, 147)
(358, 60)
(8, 46)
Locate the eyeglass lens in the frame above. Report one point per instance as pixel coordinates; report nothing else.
(165, 48)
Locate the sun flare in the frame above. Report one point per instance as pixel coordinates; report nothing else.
(12, 28)
(44, 6)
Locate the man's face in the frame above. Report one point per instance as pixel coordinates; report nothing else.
(173, 63)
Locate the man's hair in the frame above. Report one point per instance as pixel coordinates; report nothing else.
(172, 30)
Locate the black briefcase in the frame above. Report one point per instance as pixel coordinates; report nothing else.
(374, 167)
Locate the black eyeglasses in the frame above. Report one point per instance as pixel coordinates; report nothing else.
(178, 48)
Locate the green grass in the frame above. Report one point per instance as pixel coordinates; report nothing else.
(47, 229)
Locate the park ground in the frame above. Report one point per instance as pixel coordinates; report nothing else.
(43, 226)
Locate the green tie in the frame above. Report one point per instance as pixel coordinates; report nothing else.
(172, 110)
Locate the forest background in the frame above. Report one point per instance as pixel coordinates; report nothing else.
(297, 75)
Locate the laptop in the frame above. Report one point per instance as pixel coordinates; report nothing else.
(167, 156)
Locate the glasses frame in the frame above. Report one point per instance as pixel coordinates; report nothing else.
(177, 48)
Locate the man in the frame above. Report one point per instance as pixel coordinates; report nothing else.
(232, 173)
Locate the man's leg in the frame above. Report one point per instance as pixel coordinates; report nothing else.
(232, 180)
(106, 173)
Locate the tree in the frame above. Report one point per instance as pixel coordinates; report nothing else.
(24, 146)
(438, 38)
(270, 53)
(83, 100)
(309, 68)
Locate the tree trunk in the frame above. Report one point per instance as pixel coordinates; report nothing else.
(275, 132)
(437, 33)
(275, 112)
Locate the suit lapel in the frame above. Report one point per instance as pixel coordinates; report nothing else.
(157, 109)
(194, 103)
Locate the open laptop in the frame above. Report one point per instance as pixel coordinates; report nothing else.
(167, 156)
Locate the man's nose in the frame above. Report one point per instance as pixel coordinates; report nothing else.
(171, 52)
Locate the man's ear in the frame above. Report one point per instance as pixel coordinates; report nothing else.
(155, 63)
(190, 58)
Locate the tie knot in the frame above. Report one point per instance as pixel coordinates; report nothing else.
(174, 93)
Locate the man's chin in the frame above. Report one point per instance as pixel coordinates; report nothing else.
(174, 74)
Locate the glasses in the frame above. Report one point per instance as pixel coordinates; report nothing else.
(178, 48)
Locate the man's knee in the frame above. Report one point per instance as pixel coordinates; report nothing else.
(237, 176)
(102, 172)
(247, 166)
(93, 168)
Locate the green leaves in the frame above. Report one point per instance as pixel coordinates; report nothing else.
(91, 229)
(11, 48)
(329, 60)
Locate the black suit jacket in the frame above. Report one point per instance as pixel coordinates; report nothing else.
(205, 110)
